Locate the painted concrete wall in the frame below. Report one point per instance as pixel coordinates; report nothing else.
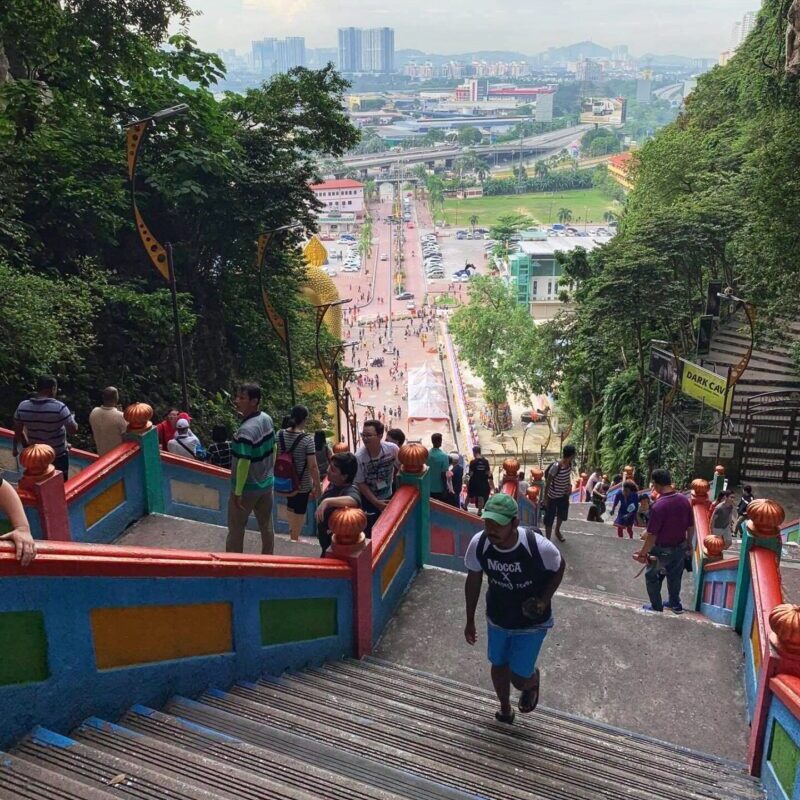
(125, 638)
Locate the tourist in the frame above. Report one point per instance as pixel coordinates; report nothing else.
(741, 508)
(107, 422)
(479, 482)
(524, 570)
(594, 479)
(323, 452)
(219, 451)
(340, 493)
(185, 443)
(377, 462)
(628, 501)
(44, 420)
(669, 532)
(557, 489)
(396, 436)
(438, 464)
(295, 442)
(20, 533)
(166, 428)
(457, 479)
(722, 517)
(253, 450)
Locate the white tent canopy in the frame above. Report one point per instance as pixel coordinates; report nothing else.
(427, 396)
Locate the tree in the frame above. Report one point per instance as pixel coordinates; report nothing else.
(564, 215)
(469, 135)
(540, 169)
(505, 227)
(473, 221)
(370, 189)
(609, 216)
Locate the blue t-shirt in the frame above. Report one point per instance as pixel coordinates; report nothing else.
(45, 420)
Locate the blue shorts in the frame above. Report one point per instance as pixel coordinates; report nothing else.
(518, 649)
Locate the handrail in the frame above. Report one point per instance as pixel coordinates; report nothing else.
(74, 560)
(787, 689)
(196, 466)
(457, 512)
(102, 467)
(392, 519)
(766, 587)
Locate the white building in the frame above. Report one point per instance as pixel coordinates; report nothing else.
(342, 196)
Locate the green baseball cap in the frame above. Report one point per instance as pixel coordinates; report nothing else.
(500, 508)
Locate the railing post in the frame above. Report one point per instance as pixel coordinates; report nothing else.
(718, 484)
(141, 430)
(349, 544)
(700, 506)
(47, 485)
(414, 472)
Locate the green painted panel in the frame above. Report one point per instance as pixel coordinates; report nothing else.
(23, 644)
(5, 525)
(297, 620)
(784, 756)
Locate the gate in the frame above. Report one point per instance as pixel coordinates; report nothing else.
(772, 437)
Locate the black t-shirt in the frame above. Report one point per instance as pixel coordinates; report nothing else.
(479, 473)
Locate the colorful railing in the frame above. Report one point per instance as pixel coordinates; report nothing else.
(92, 629)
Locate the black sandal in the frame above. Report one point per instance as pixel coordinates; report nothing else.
(507, 719)
(529, 698)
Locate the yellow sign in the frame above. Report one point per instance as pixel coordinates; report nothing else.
(703, 384)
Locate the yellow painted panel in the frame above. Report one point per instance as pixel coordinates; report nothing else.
(755, 641)
(393, 563)
(104, 503)
(195, 494)
(142, 634)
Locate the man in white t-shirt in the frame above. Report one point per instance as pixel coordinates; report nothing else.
(524, 570)
(107, 422)
(377, 463)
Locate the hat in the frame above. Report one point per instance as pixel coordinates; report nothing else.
(500, 508)
(182, 423)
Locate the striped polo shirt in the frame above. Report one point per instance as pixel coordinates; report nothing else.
(45, 419)
(255, 441)
(560, 480)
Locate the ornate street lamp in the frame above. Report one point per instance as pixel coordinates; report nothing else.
(160, 255)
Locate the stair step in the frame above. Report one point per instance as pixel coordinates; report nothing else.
(317, 766)
(639, 749)
(97, 769)
(25, 780)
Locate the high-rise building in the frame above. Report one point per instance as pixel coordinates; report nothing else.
(588, 70)
(271, 56)
(741, 29)
(264, 56)
(349, 50)
(377, 50)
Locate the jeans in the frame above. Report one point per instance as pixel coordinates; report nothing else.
(259, 503)
(670, 564)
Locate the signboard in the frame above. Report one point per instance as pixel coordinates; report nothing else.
(603, 110)
(727, 450)
(664, 366)
(703, 384)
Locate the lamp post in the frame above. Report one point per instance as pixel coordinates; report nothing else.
(524, 434)
(160, 255)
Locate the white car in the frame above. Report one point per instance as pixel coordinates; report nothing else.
(384, 257)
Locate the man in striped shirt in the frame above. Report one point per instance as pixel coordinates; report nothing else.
(44, 420)
(557, 488)
(253, 451)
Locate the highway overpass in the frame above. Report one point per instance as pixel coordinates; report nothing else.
(543, 143)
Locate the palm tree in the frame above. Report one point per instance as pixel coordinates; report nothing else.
(609, 216)
(370, 189)
(473, 221)
(541, 169)
(564, 215)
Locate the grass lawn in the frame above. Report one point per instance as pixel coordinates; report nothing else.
(542, 207)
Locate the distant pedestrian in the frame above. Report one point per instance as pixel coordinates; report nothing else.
(166, 428)
(457, 479)
(669, 534)
(42, 419)
(722, 516)
(480, 481)
(185, 443)
(627, 500)
(438, 465)
(107, 422)
(219, 451)
(741, 508)
(253, 449)
(599, 496)
(557, 489)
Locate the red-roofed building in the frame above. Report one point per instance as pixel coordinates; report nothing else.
(344, 196)
(619, 169)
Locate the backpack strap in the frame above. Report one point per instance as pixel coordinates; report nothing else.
(290, 452)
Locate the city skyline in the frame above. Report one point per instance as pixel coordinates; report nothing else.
(678, 27)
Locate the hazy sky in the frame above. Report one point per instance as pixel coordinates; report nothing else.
(684, 27)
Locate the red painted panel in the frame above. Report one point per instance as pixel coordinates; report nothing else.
(766, 586)
(707, 588)
(442, 541)
(700, 507)
(392, 518)
(90, 476)
(718, 595)
(730, 591)
(787, 688)
(71, 559)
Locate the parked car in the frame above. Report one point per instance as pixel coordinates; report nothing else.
(411, 305)
(404, 296)
(384, 256)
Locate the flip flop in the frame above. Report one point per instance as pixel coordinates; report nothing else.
(508, 719)
(529, 698)
(560, 537)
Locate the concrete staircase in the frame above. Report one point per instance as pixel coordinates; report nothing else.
(355, 730)
(770, 368)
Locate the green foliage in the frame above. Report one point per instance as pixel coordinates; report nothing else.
(469, 135)
(550, 181)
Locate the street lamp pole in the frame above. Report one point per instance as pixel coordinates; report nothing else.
(160, 255)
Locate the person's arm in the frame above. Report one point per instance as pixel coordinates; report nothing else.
(367, 494)
(550, 588)
(313, 468)
(548, 479)
(472, 593)
(19, 437)
(20, 532)
(69, 421)
(332, 503)
(242, 471)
